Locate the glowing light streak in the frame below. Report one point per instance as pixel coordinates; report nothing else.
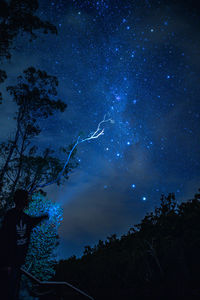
(93, 135)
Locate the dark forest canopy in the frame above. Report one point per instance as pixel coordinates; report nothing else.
(157, 258)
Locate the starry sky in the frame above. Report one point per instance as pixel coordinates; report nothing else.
(138, 62)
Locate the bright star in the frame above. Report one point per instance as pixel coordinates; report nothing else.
(144, 198)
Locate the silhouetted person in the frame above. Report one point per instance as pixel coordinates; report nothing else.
(15, 237)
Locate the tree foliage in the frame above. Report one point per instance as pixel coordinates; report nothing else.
(22, 163)
(18, 17)
(40, 260)
(158, 258)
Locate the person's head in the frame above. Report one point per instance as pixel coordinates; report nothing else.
(21, 199)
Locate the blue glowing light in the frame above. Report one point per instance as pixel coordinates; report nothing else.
(44, 237)
(93, 135)
(133, 186)
(144, 198)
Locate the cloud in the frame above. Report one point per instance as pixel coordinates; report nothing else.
(103, 202)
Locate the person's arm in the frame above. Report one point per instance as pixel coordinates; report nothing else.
(36, 220)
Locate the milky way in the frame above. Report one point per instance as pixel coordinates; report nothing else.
(138, 62)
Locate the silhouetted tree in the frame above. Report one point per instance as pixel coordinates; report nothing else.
(22, 163)
(158, 258)
(40, 260)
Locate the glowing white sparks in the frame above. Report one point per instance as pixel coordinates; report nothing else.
(94, 135)
(98, 132)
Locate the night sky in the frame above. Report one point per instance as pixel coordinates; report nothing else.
(138, 62)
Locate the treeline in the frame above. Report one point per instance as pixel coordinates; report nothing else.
(160, 257)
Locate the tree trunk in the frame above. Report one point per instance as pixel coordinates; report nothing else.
(5, 167)
(23, 147)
